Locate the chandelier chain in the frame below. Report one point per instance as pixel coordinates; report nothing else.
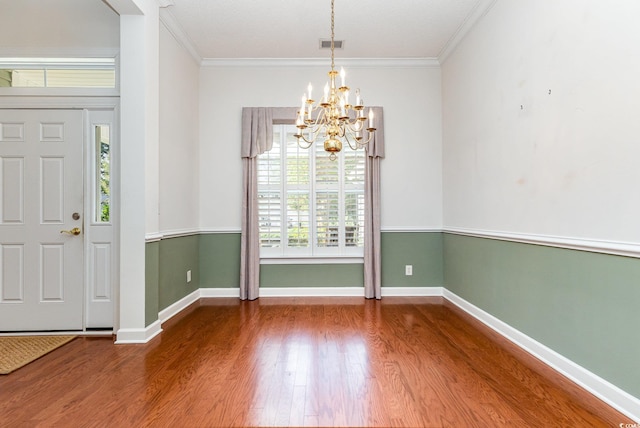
(332, 35)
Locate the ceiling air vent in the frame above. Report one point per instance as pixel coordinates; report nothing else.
(326, 44)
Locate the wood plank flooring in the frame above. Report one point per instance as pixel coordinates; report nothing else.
(417, 362)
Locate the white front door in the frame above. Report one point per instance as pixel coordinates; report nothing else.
(41, 220)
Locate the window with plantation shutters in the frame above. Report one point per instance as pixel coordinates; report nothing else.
(308, 204)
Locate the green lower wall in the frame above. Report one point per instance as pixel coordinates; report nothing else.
(177, 256)
(219, 258)
(167, 263)
(422, 250)
(582, 305)
(214, 260)
(152, 281)
(311, 275)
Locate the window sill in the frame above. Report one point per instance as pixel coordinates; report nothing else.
(312, 260)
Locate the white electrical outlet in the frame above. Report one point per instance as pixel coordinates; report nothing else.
(188, 276)
(408, 270)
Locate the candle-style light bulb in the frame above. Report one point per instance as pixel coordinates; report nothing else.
(326, 92)
(309, 88)
(358, 100)
(342, 76)
(371, 119)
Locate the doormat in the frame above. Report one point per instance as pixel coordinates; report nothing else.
(18, 351)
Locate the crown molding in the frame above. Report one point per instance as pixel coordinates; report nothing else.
(481, 8)
(323, 62)
(172, 25)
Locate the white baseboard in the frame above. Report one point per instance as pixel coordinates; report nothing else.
(311, 292)
(220, 292)
(604, 390)
(412, 291)
(178, 306)
(347, 291)
(138, 335)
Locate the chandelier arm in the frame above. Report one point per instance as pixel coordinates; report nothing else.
(313, 131)
(355, 126)
(364, 143)
(334, 113)
(319, 120)
(358, 141)
(351, 143)
(309, 143)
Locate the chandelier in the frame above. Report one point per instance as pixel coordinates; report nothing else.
(336, 119)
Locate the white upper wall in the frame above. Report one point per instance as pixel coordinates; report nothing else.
(64, 27)
(540, 121)
(411, 171)
(178, 163)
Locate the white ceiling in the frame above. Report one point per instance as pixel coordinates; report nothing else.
(293, 28)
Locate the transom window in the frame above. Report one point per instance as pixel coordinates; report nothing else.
(58, 72)
(308, 204)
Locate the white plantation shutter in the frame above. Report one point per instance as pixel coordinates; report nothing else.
(354, 198)
(327, 199)
(297, 219)
(297, 187)
(270, 197)
(309, 204)
(327, 219)
(354, 219)
(327, 171)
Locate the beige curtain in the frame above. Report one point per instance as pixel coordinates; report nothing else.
(257, 138)
(372, 260)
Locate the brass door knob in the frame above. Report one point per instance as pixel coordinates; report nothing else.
(75, 231)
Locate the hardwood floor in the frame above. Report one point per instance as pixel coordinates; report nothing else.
(416, 362)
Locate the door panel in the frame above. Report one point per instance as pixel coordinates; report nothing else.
(12, 190)
(41, 187)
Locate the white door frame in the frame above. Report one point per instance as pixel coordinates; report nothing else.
(88, 104)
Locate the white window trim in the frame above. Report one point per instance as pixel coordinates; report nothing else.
(311, 260)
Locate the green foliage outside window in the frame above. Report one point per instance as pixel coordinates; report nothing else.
(104, 166)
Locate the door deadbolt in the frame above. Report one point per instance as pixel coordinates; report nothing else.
(75, 216)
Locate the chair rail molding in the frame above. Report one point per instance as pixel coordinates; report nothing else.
(628, 249)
